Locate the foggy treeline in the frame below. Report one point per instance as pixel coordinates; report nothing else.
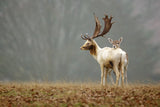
(40, 39)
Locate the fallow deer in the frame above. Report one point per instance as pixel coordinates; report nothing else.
(115, 45)
(108, 58)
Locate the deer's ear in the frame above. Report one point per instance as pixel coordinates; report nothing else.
(110, 40)
(120, 39)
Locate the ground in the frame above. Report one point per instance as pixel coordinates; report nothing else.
(78, 95)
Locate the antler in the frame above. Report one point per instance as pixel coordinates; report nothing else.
(96, 31)
(107, 27)
(85, 37)
(97, 28)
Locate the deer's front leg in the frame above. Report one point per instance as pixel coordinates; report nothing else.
(102, 74)
(106, 72)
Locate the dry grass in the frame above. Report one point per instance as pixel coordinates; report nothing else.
(78, 95)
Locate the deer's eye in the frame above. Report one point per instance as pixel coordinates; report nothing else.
(87, 43)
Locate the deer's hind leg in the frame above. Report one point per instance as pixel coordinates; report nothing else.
(122, 74)
(110, 76)
(115, 68)
(125, 73)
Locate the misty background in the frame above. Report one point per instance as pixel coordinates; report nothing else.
(40, 39)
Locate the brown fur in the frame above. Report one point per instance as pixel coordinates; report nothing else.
(109, 65)
(93, 50)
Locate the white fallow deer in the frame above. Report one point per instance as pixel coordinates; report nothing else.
(116, 44)
(108, 58)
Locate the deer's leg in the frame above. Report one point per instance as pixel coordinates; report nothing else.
(106, 72)
(125, 71)
(102, 74)
(110, 76)
(115, 68)
(122, 74)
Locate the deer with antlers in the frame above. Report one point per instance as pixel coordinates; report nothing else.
(108, 58)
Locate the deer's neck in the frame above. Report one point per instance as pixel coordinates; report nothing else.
(94, 49)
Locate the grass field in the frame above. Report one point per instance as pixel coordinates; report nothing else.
(78, 95)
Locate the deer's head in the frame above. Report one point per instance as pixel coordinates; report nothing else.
(115, 43)
(90, 43)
